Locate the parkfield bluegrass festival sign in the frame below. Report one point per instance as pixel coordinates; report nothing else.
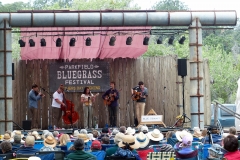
(76, 76)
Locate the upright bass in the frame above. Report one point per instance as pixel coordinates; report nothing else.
(70, 116)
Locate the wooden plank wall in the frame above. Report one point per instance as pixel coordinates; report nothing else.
(158, 73)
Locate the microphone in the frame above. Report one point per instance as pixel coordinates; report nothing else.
(165, 87)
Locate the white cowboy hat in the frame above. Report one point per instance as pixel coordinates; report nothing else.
(50, 141)
(36, 134)
(196, 132)
(181, 134)
(129, 140)
(130, 131)
(75, 133)
(84, 137)
(155, 135)
(142, 139)
(118, 137)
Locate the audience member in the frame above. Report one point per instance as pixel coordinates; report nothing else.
(130, 131)
(28, 146)
(90, 136)
(36, 135)
(233, 131)
(64, 139)
(143, 150)
(44, 132)
(230, 143)
(75, 134)
(122, 129)
(83, 131)
(117, 139)
(126, 147)
(49, 144)
(79, 154)
(6, 147)
(185, 145)
(105, 140)
(55, 134)
(114, 132)
(104, 133)
(96, 150)
(6, 137)
(144, 129)
(155, 136)
(16, 142)
(87, 143)
(95, 134)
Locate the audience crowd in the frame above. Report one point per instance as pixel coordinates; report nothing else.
(122, 142)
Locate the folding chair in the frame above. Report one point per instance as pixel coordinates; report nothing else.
(119, 158)
(161, 155)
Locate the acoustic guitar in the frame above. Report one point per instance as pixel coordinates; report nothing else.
(110, 98)
(87, 103)
(136, 95)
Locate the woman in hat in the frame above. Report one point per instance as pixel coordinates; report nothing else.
(49, 144)
(185, 142)
(155, 137)
(126, 147)
(64, 139)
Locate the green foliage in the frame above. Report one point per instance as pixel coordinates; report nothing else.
(102, 4)
(13, 7)
(155, 49)
(224, 71)
(170, 5)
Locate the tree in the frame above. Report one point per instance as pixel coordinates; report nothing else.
(102, 4)
(170, 5)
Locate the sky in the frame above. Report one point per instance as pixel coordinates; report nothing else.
(192, 4)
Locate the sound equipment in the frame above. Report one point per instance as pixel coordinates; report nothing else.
(26, 125)
(182, 67)
(13, 71)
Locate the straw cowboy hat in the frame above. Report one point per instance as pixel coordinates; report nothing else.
(19, 133)
(155, 135)
(181, 134)
(75, 134)
(142, 139)
(129, 140)
(84, 137)
(130, 131)
(6, 137)
(36, 134)
(196, 132)
(50, 141)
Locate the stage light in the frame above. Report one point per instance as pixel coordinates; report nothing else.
(88, 41)
(43, 42)
(181, 41)
(145, 40)
(171, 39)
(72, 42)
(112, 41)
(31, 42)
(129, 41)
(159, 41)
(22, 43)
(58, 42)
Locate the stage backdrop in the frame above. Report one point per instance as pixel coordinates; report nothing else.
(158, 73)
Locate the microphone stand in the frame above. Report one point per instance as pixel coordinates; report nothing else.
(164, 104)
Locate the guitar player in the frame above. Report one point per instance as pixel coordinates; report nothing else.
(141, 100)
(111, 97)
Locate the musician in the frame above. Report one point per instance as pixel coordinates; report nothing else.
(140, 103)
(57, 101)
(33, 97)
(112, 96)
(87, 98)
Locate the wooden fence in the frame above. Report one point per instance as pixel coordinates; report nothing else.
(158, 73)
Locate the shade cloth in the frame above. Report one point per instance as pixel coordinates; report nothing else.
(99, 48)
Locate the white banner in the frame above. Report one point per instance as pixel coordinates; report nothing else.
(152, 118)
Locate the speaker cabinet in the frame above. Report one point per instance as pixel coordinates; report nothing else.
(26, 125)
(182, 67)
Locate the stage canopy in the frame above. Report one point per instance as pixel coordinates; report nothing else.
(100, 37)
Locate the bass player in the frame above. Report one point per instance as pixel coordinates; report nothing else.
(111, 97)
(139, 94)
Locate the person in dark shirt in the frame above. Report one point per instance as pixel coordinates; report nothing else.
(111, 97)
(139, 93)
(28, 146)
(6, 147)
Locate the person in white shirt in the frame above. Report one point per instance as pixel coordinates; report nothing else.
(57, 101)
(87, 98)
